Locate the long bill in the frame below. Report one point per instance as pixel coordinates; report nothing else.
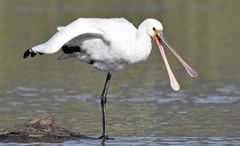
(174, 84)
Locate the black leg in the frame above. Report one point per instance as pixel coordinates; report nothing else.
(103, 106)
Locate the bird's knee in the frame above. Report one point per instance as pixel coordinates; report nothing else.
(103, 100)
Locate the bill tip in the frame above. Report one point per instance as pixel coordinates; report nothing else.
(175, 87)
(194, 75)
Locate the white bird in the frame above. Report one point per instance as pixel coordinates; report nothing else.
(109, 45)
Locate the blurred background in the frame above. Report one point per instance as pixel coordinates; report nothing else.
(141, 102)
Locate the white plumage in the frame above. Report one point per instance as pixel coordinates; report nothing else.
(109, 45)
(113, 44)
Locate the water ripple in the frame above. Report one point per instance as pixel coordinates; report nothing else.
(153, 141)
(216, 99)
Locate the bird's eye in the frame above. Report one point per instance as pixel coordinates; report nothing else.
(154, 29)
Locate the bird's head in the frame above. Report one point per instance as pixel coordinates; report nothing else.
(154, 29)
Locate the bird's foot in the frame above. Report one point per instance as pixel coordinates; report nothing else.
(105, 137)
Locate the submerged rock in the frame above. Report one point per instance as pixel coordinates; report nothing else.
(41, 128)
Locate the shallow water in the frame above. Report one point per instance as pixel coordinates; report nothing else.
(142, 109)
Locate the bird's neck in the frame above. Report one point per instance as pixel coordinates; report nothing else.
(144, 45)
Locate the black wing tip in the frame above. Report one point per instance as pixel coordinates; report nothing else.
(33, 54)
(26, 53)
(29, 52)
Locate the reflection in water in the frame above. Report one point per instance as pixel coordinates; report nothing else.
(142, 108)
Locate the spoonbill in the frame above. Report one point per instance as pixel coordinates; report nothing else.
(109, 45)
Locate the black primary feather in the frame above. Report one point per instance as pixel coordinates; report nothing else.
(33, 54)
(70, 49)
(26, 53)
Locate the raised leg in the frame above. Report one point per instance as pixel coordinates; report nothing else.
(103, 106)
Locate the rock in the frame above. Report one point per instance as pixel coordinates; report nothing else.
(41, 128)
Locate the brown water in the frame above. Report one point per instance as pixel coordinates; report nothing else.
(142, 108)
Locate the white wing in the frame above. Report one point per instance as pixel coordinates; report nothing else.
(81, 29)
(77, 28)
(74, 48)
(59, 28)
(67, 33)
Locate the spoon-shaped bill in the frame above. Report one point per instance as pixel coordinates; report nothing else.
(174, 83)
(189, 69)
